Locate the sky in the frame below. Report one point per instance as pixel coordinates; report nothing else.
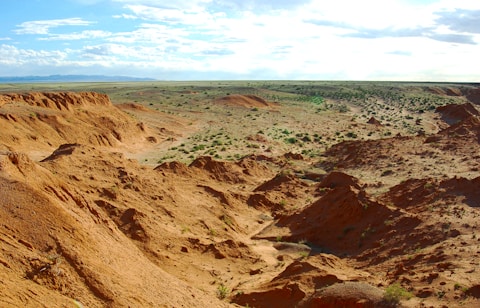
(404, 40)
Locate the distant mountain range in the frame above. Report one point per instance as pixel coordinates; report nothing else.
(70, 78)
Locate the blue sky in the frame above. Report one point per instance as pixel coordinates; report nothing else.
(431, 40)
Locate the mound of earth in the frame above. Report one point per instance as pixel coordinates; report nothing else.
(349, 153)
(350, 295)
(467, 129)
(418, 191)
(374, 121)
(232, 172)
(454, 113)
(424, 192)
(279, 194)
(133, 106)
(341, 221)
(247, 101)
(466, 189)
(296, 284)
(473, 95)
(175, 167)
(339, 179)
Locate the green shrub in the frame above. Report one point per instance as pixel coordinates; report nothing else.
(395, 292)
(351, 135)
(291, 140)
(222, 291)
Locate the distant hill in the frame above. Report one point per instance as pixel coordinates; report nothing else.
(70, 78)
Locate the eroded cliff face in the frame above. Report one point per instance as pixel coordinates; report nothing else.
(57, 100)
(44, 121)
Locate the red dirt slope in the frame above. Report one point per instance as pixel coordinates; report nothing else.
(44, 121)
(473, 95)
(56, 237)
(454, 113)
(247, 101)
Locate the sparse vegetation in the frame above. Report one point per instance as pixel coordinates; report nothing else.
(227, 220)
(387, 172)
(222, 291)
(185, 229)
(304, 254)
(381, 185)
(395, 293)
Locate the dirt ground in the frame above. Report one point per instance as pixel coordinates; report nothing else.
(240, 194)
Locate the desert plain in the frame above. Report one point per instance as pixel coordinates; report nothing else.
(240, 194)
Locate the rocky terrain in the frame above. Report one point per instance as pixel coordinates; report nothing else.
(278, 197)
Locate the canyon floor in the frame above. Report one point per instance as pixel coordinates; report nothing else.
(240, 194)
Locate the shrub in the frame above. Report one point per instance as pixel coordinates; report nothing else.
(395, 292)
(198, 147)
(343, 108)
(351, 135)
(222, 291)
(387, 172)
(291, 140)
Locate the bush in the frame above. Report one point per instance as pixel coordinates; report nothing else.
(387, 172)
(222, 291)
(395, 292)
(351, 135)
(291, 140)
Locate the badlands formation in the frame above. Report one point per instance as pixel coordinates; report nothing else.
(115, 202)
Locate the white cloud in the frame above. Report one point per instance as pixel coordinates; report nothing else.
(311, 39)
(260, 5)
(12, 56)
(43, 26)
(125, 16)
(170, 15)
(375, 14)
(150, 34)
(84, 35)
(213, 5)
(191, 5)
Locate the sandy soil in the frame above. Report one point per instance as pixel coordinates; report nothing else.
(277, 197)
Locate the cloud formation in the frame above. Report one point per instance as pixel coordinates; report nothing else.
(460, 20)
(44, 26)
(305, 39)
